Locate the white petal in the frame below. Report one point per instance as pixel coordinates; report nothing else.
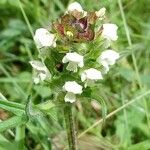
(54, 43)
(93, 74)
(41, 72)
(43, 38)
(73, 87)
(37, 65)
(36, 80)
(70, 97)
(42, 76)
(75, 6)
(81, 64)
(109, 56)
(64, 60)
(74, 57)
(90, 76)
(106, 66)
(83, 77)
(74, 60)
(110, 31)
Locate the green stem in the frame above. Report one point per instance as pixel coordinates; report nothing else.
(20, 135)
(70, 126)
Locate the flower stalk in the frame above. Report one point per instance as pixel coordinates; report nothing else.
(70, 66)
(70, 126)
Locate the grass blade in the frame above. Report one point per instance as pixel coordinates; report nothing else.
(13, 107)
(12, 122)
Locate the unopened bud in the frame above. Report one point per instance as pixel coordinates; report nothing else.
(69, 33)
(101, 12)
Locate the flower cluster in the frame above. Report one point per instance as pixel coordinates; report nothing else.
(77, 26)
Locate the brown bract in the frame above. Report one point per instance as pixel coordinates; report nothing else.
(73, 27)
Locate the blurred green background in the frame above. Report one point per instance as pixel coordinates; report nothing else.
(126, 130)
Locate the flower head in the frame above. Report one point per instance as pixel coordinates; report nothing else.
(43, 38)
(41, 72)
(110, 31)
(74, 29)
(72, 88)
(90, 76)
(75, 60)
(108, 57)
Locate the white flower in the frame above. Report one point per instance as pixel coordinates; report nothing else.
(100, 14)
(43, 38)
(90, 76)
(108, 57)
(110, 31)
(75, 6)
(74, 60)
(41, 72)
(72, 88)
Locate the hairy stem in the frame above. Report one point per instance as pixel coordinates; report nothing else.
(70, 126)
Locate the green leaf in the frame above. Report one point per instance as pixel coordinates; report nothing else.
(127, 74)
(96, 96)
(43, 91)
(6, 145)
(12, 122)
(3, 139)
(59, 4)
(16, 108)
(145, 145)
(46, 106)
(3, 2)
